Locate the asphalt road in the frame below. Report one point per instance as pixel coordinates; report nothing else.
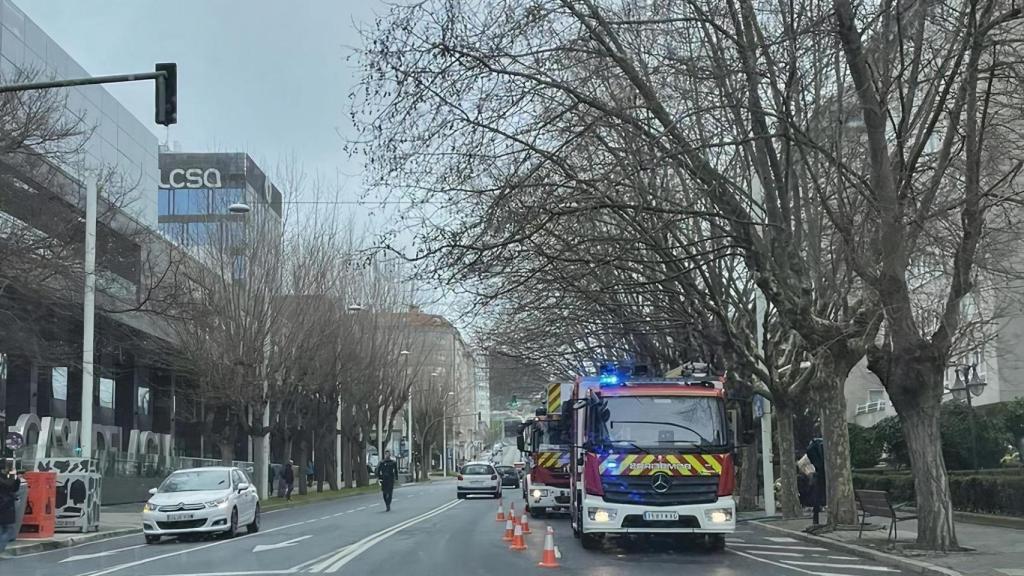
(428, 532)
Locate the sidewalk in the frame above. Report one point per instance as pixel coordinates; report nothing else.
(994, 550)
(113, 523)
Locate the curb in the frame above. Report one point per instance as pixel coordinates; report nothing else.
(908, 564)
(46, 545)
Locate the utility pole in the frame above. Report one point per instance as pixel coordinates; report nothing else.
(767, 470)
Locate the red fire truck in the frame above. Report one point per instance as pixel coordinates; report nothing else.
(651, 455)
(544, 441)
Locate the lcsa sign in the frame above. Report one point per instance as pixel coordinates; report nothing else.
(192, 178)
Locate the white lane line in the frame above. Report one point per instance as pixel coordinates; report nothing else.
(771, 553)
(848, 558)
(857, 566)
(254, 573)
(781, 539)
(734, 540)
(324, 517)
(377, 504)
(767, 561)
(100, 554)
(339, 514)
(780, 547)
(350, 511)
(361, 508)
(334, 561)
(93, 543)
(265, 512)
(120, 567)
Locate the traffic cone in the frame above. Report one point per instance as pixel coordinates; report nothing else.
(512, 513)
(548, 560)
(518, 543)
(509, 531)
(525, 523)
(501, 513)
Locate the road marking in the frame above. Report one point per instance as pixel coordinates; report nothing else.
(857, 566)
(286, 544)
(350, 511)
(324, 517)
(772, 553)
(252, 573)
(772, 562)
(339, 514)
(377, 504)
(99, 554)
(781, 539)
(361, 508)
(852, 558)
(558, 553)
(780, 547)
(76, 546)
(734, 540)
(337, 559)
(120, 567)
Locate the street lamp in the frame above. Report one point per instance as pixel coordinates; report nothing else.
(408, 432)
(239, 208)
(444, 435)
(967, 385)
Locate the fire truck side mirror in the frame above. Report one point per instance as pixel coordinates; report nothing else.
(521, 443)
(579, 405)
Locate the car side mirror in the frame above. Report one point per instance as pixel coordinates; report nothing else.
(152, 491)
(243, 486)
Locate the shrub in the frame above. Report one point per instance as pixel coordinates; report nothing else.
(988, 494)
(889, 435)
(957, 449)
(865, 448)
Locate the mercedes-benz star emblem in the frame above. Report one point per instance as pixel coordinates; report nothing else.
(661, 483)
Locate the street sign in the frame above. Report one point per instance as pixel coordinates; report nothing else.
(758, 406)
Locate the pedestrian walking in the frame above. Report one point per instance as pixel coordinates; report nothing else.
(819, 493)
(9, 485)
(387, 472)
(289, 479)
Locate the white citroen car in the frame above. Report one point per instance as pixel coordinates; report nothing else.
(201, 500)
(478, 478)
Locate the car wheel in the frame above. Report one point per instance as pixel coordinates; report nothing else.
(460, 496)
(232, 530)
(152, 539)
(715, 542)
(254, 526)
(591, 540)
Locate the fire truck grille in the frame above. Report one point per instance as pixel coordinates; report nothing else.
(681, 490)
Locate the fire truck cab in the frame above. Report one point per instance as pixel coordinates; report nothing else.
(651, 455)
(544, 441)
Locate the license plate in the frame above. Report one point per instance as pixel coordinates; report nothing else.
(179, 517)
(669, 516)
(476, 481)
(65, 523)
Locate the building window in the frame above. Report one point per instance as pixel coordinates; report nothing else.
(59, 383)
(164, 202)
(190, 201)
(876, 395)
(107, 386)
(221, 199)
(144, 401)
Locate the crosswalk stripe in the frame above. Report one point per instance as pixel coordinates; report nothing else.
(781, 547)
(827, 565)
(781, 539)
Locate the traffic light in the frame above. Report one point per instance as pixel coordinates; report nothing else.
(167, 94)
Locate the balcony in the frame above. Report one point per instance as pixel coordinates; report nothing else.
(871, 407)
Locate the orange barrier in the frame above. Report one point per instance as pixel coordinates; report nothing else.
(525, 523)
(40, 518)
(501, 513)
(548, 560)
(509, 531)
(518, 542)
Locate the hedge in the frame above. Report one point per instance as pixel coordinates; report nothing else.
(987, 494)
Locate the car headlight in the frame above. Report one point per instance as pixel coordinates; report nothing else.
(537, 493)
(718, 515)
(602, 514)
(149, 507)
(218, 502)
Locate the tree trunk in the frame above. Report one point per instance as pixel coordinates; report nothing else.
(303, 462)
(347, 464)
(789, 497)
(838, 474)
(227, 451)
(748, 477)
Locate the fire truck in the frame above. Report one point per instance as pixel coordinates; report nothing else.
(651, 455)
(544, 441)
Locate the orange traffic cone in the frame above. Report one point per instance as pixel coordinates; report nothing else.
(518, 543)
(512, 513)
(525, 523)
(501, 513)
(509, 531)
(548, 560)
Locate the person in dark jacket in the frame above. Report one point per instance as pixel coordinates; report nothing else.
(816, 454)
(387, 473)
(9, 485)
(289, 479)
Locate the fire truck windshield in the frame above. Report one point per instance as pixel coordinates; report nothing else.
(663, 421)
(549, 433)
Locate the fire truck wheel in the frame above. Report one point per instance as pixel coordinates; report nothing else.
(715, 542)
(591, 540)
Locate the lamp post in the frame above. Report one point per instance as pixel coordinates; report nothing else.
(408, 419)
(88, 318)
(968, 384)
(444, 434)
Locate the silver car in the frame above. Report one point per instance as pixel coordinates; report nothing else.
(201, 500)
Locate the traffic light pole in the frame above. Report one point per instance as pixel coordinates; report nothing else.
(83, 81)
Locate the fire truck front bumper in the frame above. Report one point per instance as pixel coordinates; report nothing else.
(714, 518)
(547, 498)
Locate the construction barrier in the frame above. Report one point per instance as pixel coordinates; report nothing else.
(40, 519)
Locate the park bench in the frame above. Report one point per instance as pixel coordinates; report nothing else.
(878, 503)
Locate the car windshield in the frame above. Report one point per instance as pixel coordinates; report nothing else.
(550, 433)
(477, 470)
(196, 480)
(664, 421)
(506, 469)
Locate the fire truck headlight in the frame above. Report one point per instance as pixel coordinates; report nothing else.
(538, 493)
(719, 515)
(602, 514)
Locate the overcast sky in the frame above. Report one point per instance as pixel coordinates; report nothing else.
(268, 77)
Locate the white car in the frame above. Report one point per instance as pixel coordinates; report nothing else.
(201, 500)
(478, 478)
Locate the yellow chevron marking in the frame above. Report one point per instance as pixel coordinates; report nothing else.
(678, 467)
(554, 397)
(641, 470)
(624, 464)
(695, 462)
(714, 463)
